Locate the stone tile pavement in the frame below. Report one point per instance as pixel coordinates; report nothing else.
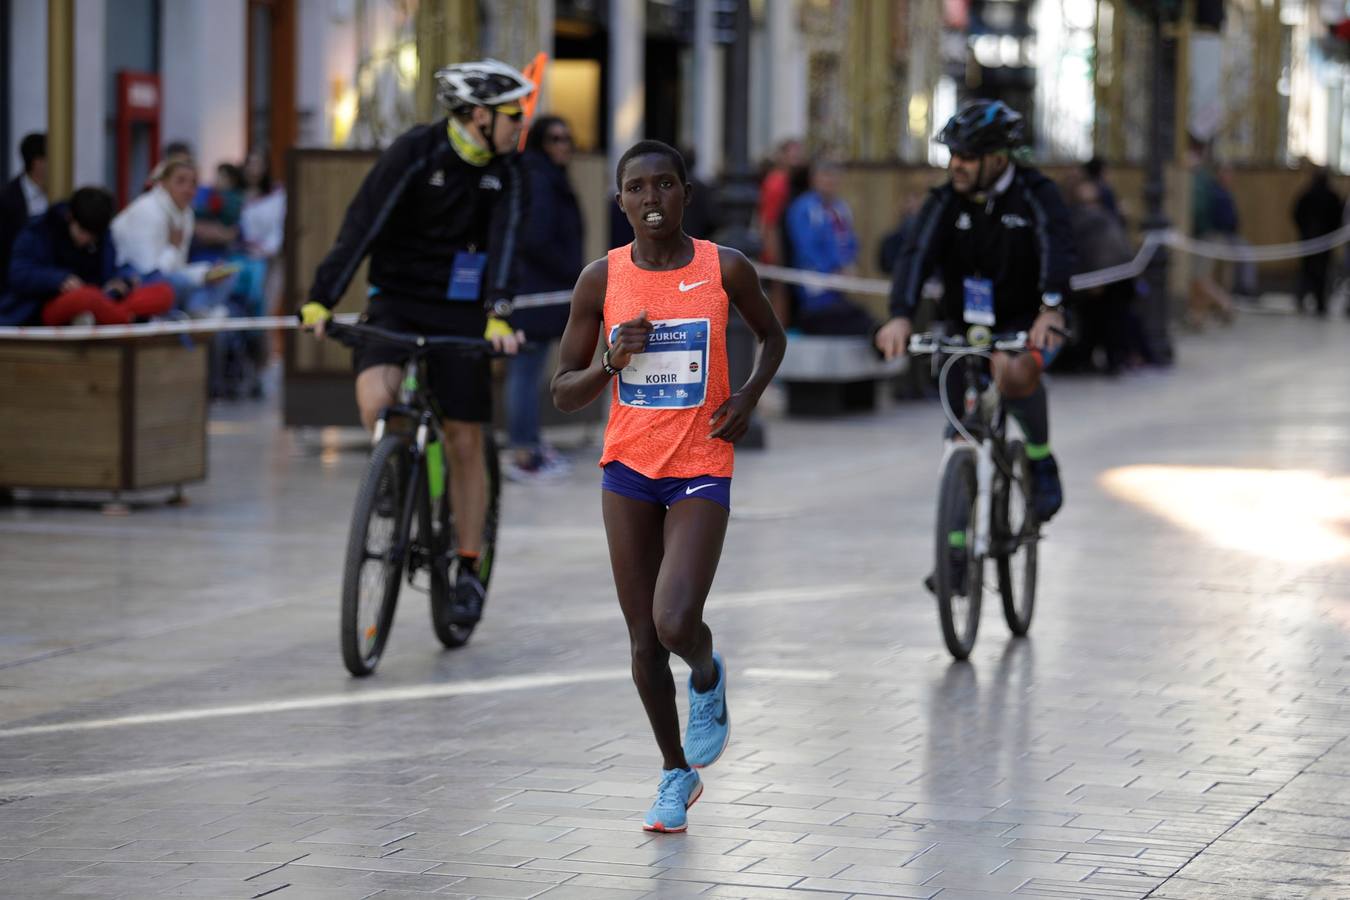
(176, 720)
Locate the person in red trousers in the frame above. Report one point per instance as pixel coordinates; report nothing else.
(63, 270)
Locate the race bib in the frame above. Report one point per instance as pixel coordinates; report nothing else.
(466, 276)
(672, 373)
(979, 308)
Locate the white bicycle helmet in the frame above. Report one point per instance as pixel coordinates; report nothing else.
(486, 82)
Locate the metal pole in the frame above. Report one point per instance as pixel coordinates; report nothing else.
(739, 197)
(60, 98)
(1156, 303)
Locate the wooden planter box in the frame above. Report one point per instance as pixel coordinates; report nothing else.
(102, 415)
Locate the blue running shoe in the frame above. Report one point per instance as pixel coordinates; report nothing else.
(709, 725)
(678, 791)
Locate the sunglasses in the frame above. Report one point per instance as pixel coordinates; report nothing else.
(514, 113)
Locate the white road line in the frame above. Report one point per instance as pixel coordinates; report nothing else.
(327, 701)
(816, 675)
(383, 695)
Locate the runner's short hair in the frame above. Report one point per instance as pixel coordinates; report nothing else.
(651, 148)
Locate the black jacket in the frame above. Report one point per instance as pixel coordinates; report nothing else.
(419, 205)
(1020, 240)
(1317, 211)
(13, 216)
(551, 245)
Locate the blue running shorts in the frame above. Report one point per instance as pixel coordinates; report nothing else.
(665, 491)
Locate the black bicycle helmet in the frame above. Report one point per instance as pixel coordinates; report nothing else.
(486, 82)
(984, 126)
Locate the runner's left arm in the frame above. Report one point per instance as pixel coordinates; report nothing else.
(743, 287)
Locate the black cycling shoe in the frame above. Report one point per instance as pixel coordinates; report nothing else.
(466, 607)
(1047, 492)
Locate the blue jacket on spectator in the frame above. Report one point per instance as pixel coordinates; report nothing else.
(822, 239)
(551, 253)
(44, 256)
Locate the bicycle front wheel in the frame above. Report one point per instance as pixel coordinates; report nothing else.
(1018, 533)
(376, 546)
(958, 573)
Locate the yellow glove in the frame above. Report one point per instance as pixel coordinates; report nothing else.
(313, 312)
(497, 328)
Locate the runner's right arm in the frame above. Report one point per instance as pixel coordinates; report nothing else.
(580, 379)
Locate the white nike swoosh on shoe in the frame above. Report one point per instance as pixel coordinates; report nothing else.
(691, 488)
(689, 287)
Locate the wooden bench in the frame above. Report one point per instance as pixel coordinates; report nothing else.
(827, 375)
(105, 415)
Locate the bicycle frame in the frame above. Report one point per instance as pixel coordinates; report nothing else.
(416, 406)
(983, 414)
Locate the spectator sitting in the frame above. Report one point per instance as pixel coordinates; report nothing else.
(216, 209)
(820, 238)
(23, 198)
(64, 269)
(153, 234)
(173, 150)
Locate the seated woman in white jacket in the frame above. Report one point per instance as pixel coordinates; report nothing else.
(152, 236)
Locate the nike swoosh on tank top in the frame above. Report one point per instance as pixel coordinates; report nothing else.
(661, 403)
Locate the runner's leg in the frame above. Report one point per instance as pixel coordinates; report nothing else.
(694, 530)
(634, 529)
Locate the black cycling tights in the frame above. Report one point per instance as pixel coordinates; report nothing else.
(1033, 414)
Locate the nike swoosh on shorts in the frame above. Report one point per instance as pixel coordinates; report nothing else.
(691, 488)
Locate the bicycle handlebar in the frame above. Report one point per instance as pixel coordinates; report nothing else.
(359, 332)
(1011, 342)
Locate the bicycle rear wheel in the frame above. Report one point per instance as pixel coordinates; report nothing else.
(1018, 532)
(958, 574)
(374, 563)
(442, 585)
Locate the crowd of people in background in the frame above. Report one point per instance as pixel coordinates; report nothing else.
(187, 249)
(177, 250)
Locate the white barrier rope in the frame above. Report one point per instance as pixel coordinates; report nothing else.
(847, 283)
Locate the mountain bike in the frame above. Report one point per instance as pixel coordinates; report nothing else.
(984, 510)
(402, 525)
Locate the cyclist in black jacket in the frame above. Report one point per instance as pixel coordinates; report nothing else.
(999, 235)
(439, 215)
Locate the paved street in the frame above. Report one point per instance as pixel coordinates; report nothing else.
(176, 720)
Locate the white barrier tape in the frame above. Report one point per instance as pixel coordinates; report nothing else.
(848, 283)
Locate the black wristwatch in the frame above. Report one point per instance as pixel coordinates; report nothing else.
(604, 364)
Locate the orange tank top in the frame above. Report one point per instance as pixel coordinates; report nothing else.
(661, 403)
